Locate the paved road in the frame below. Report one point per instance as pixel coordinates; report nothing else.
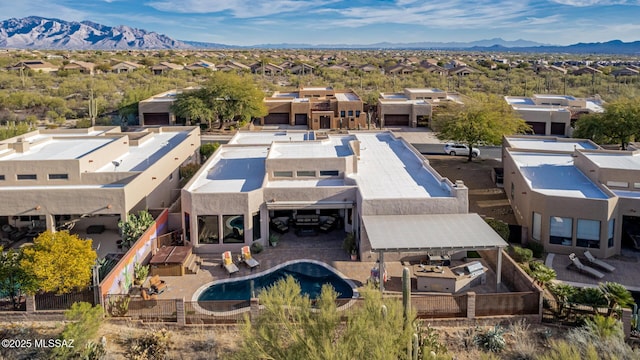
(487, 152)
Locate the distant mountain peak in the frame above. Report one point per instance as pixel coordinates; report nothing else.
(50, 33)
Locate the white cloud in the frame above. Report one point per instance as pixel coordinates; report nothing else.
(238, 8)
(47, 9)
(584, 3)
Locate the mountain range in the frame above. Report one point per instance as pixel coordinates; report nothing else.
(35, 32)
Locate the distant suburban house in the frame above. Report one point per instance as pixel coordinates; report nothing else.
(462, 71)
(538, 68)
(413, 107)
(434, 69)
(549, 114)
(266, 69)
(125, 67)
(316, 108)
(587, 70)
(164, 67)
(81, 66)
(35, 65)
(231, 65)
(202, 64)
(628, 71)
(368, 68)
(156, 110)
(301, 69)
(400, 69)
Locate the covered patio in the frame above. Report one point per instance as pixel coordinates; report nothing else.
(433, 234)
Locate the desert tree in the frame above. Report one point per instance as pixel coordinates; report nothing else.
(619, 123)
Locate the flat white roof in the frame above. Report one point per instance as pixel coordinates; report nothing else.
(233, 170)
(555, 175)
(620, 160)
(348, 96)
(399, 96)
(60, 149)
(389, 169)
(627, 194)
(423, 90)
(541, 108)
(515, 100)
(335, 146)
(305, 183)
(548, 144)
(445, 232)
(139, 158)
(267, 137)
(555, 97)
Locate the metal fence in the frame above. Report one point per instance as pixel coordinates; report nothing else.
(216, 312)
(6, 304)
(152, 310)
(51, 301)
(521, 303)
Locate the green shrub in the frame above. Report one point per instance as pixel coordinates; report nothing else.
(256, 248)
(118, 306)
(500, 227)
(492, 340)
(520, 254)
(85, 321)
(537, 248)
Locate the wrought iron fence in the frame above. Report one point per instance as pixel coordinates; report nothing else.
(51, 301)
(216, 312)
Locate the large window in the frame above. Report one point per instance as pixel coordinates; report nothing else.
(256, 226)
(612, 225)
(208, 229)
(58, 176)
(305, 173)
(537, 225)
(588, 233)
(329, 173)
(27, 177)
(233, 229)
(560, 230)
(283, 174)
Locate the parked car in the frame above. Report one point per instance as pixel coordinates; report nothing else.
(460, 149)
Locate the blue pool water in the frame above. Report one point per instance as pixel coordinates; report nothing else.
(309, 275)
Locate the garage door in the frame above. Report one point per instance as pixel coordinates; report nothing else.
(539, 128)
(301, 119)
(396, 120)
(557, 128)
(276, 118)
(156, 118)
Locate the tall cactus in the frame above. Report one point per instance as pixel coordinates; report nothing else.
(406, 304)
(415, 346)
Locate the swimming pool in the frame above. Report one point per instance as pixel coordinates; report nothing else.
(310, 274)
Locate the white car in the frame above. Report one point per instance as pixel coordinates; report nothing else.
(460, 149)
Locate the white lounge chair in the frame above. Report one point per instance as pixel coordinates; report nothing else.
(248, 259)
(227, 262)
(584, 268)
(597, 262)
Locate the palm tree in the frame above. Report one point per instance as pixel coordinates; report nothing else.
(617, 295)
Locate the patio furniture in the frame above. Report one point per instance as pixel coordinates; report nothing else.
(227, 263)
(597, 262)
(278, 226)
(328, 225)
(147, 295)
(157, 286)
(248, 259)
(584, 268)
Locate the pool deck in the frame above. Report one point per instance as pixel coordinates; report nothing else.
(326, 248)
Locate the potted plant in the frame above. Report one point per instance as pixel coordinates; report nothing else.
(349, 245)
(273, 240)
(140, 273)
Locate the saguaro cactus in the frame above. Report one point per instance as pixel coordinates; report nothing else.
(406, 294)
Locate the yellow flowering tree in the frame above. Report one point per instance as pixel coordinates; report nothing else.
(60, 262)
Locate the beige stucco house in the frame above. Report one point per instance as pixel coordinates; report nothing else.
(412, 107)
(549, 114)
(48, 177)
(570, 195)
(317, 108)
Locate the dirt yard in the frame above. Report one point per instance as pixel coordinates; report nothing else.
(484, 197)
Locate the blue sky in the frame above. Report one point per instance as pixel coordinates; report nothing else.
(249, 22)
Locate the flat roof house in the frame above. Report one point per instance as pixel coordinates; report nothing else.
(413, 107)
(291, 175)
(156, 110)
(571, 196)
(317, 108)
(48, 177)
(549, 114)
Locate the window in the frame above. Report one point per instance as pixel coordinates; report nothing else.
(233, 229)
(636, 185)
(283, 174)
(588, 233)
(329, 173)
(512, 190)
(27, 177)
(618, 184)
(560, 230)
(2, 177)
(208, 229)
(256, 226)
(612, 224)
(350, 112)
(342, 113)
(306, 173)
(58, 176)
(357, 113)
(171, 176)
(537, 225)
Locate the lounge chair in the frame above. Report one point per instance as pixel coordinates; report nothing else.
(597, 262)
(584, 268)
(157, 286)
(248, 259)
(146, 295)
(227, 262)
